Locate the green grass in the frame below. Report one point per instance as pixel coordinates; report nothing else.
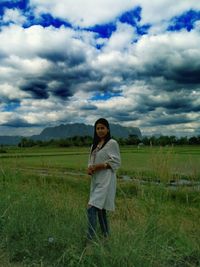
(43, 212)
(151, 162)
(162, 162)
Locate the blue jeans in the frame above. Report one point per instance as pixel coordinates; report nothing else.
(92, 213)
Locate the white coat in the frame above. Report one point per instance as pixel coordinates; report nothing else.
(103, 182)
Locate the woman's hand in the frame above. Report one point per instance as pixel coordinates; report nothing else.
(91, 170)
(97, 167)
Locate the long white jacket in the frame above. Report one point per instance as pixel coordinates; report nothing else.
(103, 182)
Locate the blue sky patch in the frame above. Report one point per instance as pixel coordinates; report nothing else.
(99, 46)
(141, 30)
(11, 106)
(46, 20)
(21, 4)
(104, 30)
(104, 96)
(131, 17)
(184, 21)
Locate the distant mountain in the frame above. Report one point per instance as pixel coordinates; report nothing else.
(64, 131)
(80, 129)
(70, 130)
(10, 140)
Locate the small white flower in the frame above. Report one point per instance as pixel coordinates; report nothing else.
(51, 239)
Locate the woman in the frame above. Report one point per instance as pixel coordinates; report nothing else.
(103, 163)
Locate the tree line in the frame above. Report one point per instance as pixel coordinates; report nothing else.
(131, 140)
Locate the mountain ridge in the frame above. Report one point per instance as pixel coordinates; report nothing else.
(70, 130)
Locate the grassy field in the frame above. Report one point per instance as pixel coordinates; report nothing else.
(43, 198)
(156, 162)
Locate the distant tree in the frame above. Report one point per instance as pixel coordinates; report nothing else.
(173, 140)
(64, 142)
(121, 141)
(198, 139)
(26, 142)
(133, 140)
(193, 140)
(145, 140)
(182, 141)
(2, 149)
(87, 140)
(162, 140)
(153, 141)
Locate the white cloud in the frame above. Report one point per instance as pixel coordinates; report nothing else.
(84, 14)
(149, 73)
(34, 66)
(5, 116)
(11, 92)
(172, 47)
(99, 12)
(121, 39)
(156, 11)
(13, 16)
(33, 40)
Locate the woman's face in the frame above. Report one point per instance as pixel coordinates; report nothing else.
(101, 130)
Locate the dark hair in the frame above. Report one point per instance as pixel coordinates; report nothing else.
(96, 139)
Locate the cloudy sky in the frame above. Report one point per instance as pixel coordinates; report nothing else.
(134, 62)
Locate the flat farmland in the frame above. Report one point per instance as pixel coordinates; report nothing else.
(160, 162)
(43, 200)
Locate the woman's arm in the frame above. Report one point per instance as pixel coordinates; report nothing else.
(98, 167)
(113, 162)
(114, 158)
